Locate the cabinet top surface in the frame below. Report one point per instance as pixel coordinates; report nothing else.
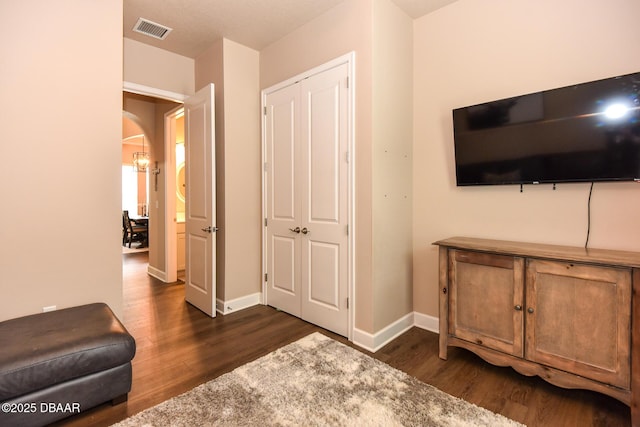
(537, 250)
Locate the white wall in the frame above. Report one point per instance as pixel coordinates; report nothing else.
(61, 121)
(475, 51)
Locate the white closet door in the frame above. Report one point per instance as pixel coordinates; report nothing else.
(323, 176)
(306, 136)
(283, 204)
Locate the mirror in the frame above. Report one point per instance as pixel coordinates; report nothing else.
(180, 184)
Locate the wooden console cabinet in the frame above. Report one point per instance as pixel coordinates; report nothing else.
(569, 315)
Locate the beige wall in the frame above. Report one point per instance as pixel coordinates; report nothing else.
(209, 69)
(345, 28)
(515, 48)
(60, 225)
(242, 159)
(141, 111)
(381, 36)
(233, 69)
(157, 68)
(392, 163)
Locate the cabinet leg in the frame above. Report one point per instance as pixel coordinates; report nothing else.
(635, 350)
(443, 349)
(443, 260)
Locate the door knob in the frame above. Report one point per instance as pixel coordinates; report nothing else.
(295, 230)
(305, 231)
(210, 229)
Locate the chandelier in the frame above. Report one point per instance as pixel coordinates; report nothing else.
(141, 159)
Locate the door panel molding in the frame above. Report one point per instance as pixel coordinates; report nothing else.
(200, 215)
(328, 213)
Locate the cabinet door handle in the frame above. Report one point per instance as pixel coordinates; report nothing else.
(530, 309)
(518, 307)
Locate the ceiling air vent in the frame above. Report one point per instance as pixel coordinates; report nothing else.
(149, 28)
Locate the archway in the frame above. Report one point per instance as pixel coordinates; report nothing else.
(135, 184)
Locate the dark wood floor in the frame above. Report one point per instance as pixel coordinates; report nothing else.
(179, 348)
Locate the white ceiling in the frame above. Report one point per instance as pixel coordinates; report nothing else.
(197, 24)
(418, 8)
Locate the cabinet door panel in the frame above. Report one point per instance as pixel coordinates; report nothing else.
(578, 319)
(485, 289)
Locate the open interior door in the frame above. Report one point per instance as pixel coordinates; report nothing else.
(200, 201)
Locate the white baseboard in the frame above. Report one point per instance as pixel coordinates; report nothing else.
(424, 321)
(374, 342)
(226, 307)
(370, 342)
(158, 274)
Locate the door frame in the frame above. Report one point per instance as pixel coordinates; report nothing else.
(167, 171)
(348, 59)
(170, 227)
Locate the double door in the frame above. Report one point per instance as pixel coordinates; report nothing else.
(306, 191)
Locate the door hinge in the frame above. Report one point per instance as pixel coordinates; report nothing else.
(266, 167)
(347, 157)
(347, 82)
(347, 229)
(265, 277)
(265, 222)
(265, 110)
(347, 303)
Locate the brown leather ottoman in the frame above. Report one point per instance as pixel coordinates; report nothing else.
(57, 364)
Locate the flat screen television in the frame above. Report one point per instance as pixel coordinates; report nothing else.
(583, 133)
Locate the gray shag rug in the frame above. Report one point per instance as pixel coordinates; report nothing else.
(316, 381)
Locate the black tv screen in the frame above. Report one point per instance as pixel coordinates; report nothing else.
(583, 133)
